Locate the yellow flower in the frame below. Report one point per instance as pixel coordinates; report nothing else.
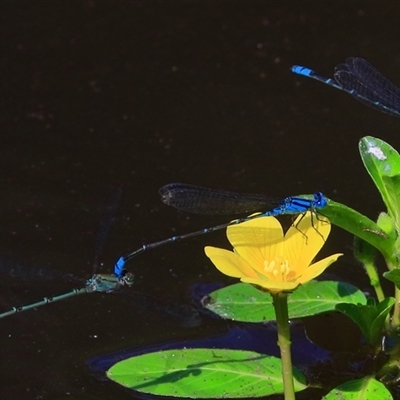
(263, 256)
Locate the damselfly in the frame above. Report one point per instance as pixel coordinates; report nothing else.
(97, 283)
(206, 201)
(361, 80)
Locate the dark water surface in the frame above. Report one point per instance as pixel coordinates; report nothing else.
(96, 95)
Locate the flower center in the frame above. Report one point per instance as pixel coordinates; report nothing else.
(277, 269)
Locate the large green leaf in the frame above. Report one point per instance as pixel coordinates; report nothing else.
(203, 373)
(243, 302)
(359, 225)
(367, 388)
(382, 162)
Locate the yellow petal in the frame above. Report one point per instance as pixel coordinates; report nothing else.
(304, 240)
(229, 263)
(318, 268)
(257, 240)
(272, 286)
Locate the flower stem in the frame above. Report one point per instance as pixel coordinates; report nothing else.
(282, 322)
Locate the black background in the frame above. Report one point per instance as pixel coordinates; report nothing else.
(97, 95)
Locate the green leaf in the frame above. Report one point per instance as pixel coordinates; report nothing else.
(243, 302)
(360, 226)
(203, 373)
(370, 318)
(382, 162)
(393, 276)
(367, 388)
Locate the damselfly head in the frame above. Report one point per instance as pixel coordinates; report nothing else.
(127, 279)
(319, 200)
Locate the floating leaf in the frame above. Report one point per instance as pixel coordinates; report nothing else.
(203, 373)
(243, 302)
(367, 388)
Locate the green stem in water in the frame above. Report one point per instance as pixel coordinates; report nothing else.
(280, 301)
(389, 374)
(396, 311)
(374, 280)
(395, 322)
(365, 254)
